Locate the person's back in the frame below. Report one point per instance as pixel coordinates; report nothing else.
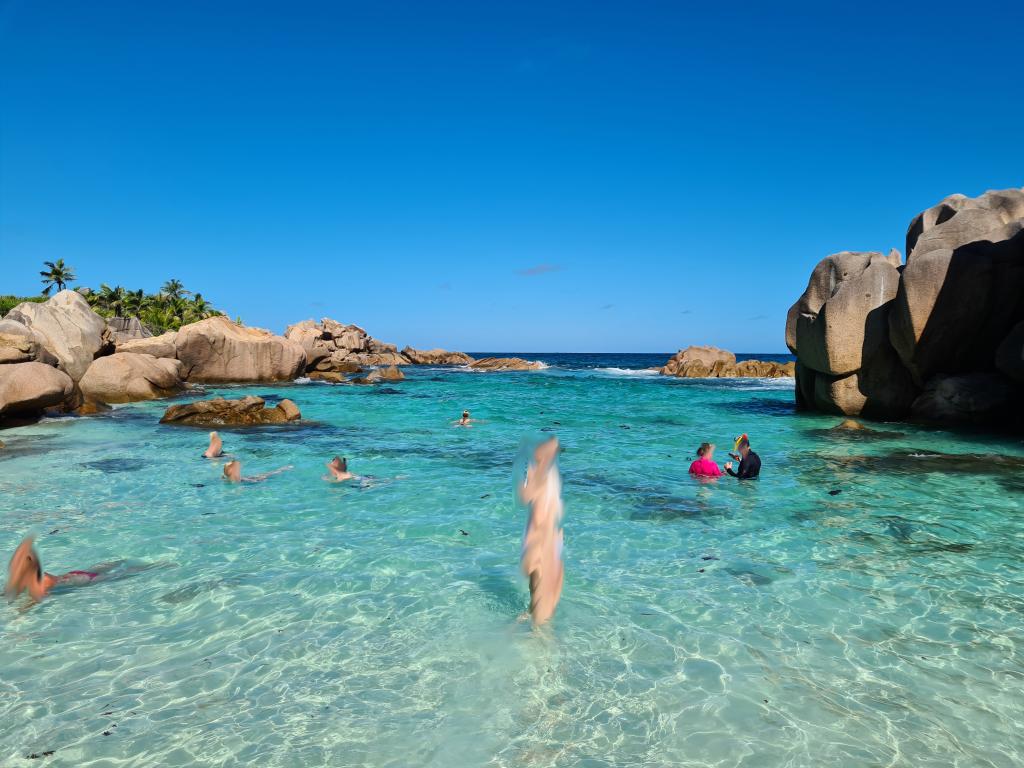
(705, 465)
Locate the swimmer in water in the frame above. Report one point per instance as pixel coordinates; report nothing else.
(338, 468)
(750, 462)
(465, 421)
(216, 448)
(25, 574)
(542, 543)
(233, 473)
(705, 466)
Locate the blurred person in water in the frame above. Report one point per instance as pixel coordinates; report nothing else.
(25, 574)
(338, 468)
(542, 543)
(705, 465)
(216, 448)
(233, 473)
(750, 462)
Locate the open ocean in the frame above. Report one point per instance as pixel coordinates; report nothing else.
(861, 604)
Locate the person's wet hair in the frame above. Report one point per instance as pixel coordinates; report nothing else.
(705, 449)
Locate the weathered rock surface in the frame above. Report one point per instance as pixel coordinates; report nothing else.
(391, 373)
(125, 377)
(505, 364)
(217, 350)
(844, 310)
(27, 388)
(164, 345)
(435, 357)
(940, 339)
(329, 345)
(20, 344)
(712, 362)
(246, 411)
(973, 398)
(124, 329)
(68, 328)
(955, 304)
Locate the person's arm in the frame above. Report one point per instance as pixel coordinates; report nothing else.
(728, 468)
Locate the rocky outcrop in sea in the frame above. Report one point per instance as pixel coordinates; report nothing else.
(939, 338)
(711, 362)
(242, 412)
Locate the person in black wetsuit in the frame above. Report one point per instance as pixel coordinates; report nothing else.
(750, 462)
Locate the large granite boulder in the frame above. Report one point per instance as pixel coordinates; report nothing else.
(376, 376)
(765, 369)
(125, 377)
(505, 364)
(330, 344)
(27, 388)
(955, 303)
(218, 412)
(20, 344)
(68, 328)
(843, 311)
(939, 339)
(164, 345)
(435, 357)
(218, 350)
(124, 329)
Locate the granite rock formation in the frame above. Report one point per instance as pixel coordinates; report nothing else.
(711, 362)
(242, 412)
(125, 377)
(939, 339)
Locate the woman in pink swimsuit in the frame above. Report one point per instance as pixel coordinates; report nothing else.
(705, 466)
(25, 574)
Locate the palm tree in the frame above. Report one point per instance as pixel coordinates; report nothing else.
(174, 289)
(58, 274)
(135, 302)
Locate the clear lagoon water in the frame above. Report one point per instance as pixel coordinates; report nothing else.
(300, 623)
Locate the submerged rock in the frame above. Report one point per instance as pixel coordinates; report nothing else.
(125, 377)
(505, 364)
(246, 411)
(436, 357)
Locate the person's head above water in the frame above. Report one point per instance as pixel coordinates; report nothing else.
(706, 450)
(25, 572)
(233, 471)
(339, 463)
(216, 446)
(742, 444)
(465, 414)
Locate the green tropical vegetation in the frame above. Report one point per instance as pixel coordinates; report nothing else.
(9, 302)
(57, 274)
(167, 310)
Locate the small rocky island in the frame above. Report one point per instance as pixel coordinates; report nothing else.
(939, 338)
(712, 362)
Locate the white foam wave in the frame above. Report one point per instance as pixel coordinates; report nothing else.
(642, 372)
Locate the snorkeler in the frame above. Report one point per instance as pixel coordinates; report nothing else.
(25, 574)
(541, 559)
(705, 466)
(750, 462)
(216, 448)
(338, 468)
(233, 473)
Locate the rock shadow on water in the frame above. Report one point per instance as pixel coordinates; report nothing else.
(116, 464)
(189, 592)
(501, 593)
(759, 406)
(1008, 471)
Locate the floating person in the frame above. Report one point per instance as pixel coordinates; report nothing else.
(25, 574)
(705, 465)
(216, 449)
(338, 468)
(465, 421)
(541, 559)
(233, 473)
(750, 462)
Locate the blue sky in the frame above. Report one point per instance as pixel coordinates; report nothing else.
(510, 176)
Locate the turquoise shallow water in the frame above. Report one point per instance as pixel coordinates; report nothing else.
(298, 623)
